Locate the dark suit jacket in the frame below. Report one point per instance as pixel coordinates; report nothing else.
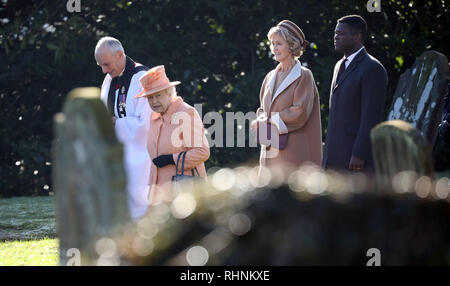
(356, 105)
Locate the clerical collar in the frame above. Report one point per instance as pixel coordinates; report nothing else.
(128, 63)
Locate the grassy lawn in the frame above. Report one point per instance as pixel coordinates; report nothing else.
(24, 218)
(28, 231)
(42, 252)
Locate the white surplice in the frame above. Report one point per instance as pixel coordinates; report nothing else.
(132, 131)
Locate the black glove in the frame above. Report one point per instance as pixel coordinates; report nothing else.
(163, 160)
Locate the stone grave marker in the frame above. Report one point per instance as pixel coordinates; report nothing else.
(398, 146)
(89, 180)
(404, 142)
(418, 98)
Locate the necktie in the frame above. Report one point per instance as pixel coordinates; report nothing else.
(341, 70)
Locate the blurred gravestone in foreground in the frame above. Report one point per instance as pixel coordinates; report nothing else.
(398, 146)
(88, 176)
(418, 98)
(405, 141)
(315, 219)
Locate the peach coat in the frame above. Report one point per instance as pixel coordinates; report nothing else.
(294, 109)
(179, 129)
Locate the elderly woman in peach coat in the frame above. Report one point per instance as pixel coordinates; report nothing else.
(175, 127)
(289, 110)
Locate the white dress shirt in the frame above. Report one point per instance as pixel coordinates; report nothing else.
(352, 56)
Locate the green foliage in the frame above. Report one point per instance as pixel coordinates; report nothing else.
(218, 49)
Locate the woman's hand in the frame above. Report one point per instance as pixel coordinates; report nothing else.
(163, 160)
(254, 125)
(261, 119)
(356, 164)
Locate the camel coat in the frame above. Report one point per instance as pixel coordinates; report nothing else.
(293, 109)
(179, 129)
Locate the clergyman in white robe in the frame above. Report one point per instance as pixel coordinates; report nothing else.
(132, 131)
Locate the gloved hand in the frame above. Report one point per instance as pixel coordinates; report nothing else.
(163, 160)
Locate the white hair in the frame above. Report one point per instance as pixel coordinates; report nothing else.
(172, 91)
(111, 43)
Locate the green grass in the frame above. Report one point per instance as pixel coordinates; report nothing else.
(42, 252)
(25, 218)
(28, 231)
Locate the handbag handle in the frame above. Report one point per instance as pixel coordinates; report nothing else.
(178, 160)
(182, 165)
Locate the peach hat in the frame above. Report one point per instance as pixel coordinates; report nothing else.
(155, 80)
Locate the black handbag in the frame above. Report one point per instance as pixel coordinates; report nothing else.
(182, 176)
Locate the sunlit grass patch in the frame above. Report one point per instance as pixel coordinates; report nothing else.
(42, 252)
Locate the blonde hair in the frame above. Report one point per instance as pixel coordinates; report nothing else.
(295, 47)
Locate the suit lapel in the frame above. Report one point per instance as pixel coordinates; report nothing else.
(347, 71)
(336, 70)
(295, 73)
(353, 65)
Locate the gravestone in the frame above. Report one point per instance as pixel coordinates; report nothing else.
(418, 98)
(89, 180)
(398, 146)
(415, 113)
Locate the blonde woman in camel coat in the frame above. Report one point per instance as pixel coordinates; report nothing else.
(289, 103)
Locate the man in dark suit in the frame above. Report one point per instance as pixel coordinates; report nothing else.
(357, 97)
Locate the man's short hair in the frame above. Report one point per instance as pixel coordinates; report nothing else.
(356, 23)
(111, 43)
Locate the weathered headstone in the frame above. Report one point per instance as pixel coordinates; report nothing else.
(89, 180)
(419, 93)
(397, 146)
(406, 144)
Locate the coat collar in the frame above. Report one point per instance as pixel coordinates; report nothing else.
(294, 74)
(173, 107)
(354, 63)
